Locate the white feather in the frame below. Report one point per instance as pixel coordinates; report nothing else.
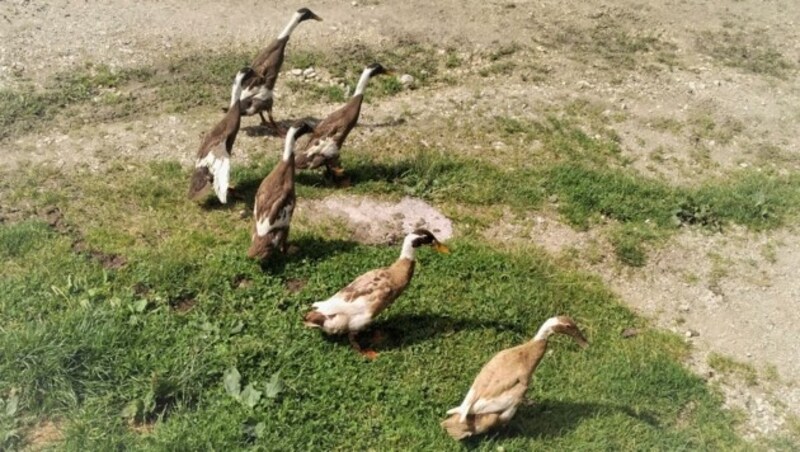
(497, 404)
(220, 168)
(263, 226)
(342, 315)
(326, 147)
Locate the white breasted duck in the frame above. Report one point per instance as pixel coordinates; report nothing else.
(329, 135)
(257, 90)
(501, 384)
(275, 201)
(213, 166)
(353, 308)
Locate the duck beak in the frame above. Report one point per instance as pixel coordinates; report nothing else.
(441, 248)
(316, 17)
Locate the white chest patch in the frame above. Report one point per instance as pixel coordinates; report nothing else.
(326, 147)
(284, 218)
(259, 92)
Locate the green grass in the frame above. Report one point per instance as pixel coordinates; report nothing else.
(729, 366)
(750, 51)
(103, 351)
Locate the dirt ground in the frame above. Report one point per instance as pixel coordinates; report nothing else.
(734, 293)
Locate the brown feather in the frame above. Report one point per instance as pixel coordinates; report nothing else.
(336, 125)
(275, 192)
(381, 287)
(268, 63)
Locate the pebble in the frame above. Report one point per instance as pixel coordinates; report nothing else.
(309, 72)
(692, 333)
(407, 79)
(297, 72)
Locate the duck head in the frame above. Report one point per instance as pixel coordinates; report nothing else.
(565, 325)
(307, 14)
(418, 238)
(370, 71)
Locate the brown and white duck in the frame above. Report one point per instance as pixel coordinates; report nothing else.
(275, 201)
(329, 135)
(257, 89)
(213, 165)
(353, 308)
(501, 384)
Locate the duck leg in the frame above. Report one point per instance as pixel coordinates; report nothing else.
(367, 353)
(281, 132)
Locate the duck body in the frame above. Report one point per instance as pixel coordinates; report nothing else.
(275, 201)
(500, 386)
(353, 308)
(257, 95)
(212, 167)
(329, 135)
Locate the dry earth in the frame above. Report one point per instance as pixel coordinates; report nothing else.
(688, 119)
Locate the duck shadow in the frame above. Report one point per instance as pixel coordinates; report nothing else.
(358, 173)
(394, 122)
(309, 249)
(266, 130)
(404, 330)
(549, 419)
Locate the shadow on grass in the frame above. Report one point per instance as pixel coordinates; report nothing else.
(552, 419)
(404, 330)
(306, 249)
(359, 173)
(266, 130)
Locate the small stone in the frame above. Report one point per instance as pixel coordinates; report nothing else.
(308, 71)
(406, 79)
(717, 83)
(552, 198)
(630, 332)
(297, 72)
(692, 333)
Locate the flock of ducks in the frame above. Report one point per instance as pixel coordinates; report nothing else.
(500, 387)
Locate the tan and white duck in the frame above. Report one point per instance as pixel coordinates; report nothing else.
(275, 201)
(213, 165)
(501, 384)
(257, 89)
(329, 135)
(353, 308)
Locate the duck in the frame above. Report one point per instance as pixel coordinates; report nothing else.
(212, 165)
(257, 95)
(501, 384)
(328, 137)
(351, 309)
(275, 201)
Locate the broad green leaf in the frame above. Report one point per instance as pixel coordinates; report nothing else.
(232, 381)
(11, 405)
(250, 396)
(140, 305)
(274, 387)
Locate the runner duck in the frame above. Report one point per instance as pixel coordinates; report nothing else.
(501, 385)
(353, 308)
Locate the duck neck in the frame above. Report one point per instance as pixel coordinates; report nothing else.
(408, 251)
(362, 82)
(545, 330)
(290, 26)
(288, 147)
(236, 89)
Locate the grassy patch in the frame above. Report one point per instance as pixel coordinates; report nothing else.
(729, 366)
(750, 51)
(609, 41)
(191, 345)
(24, 111)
